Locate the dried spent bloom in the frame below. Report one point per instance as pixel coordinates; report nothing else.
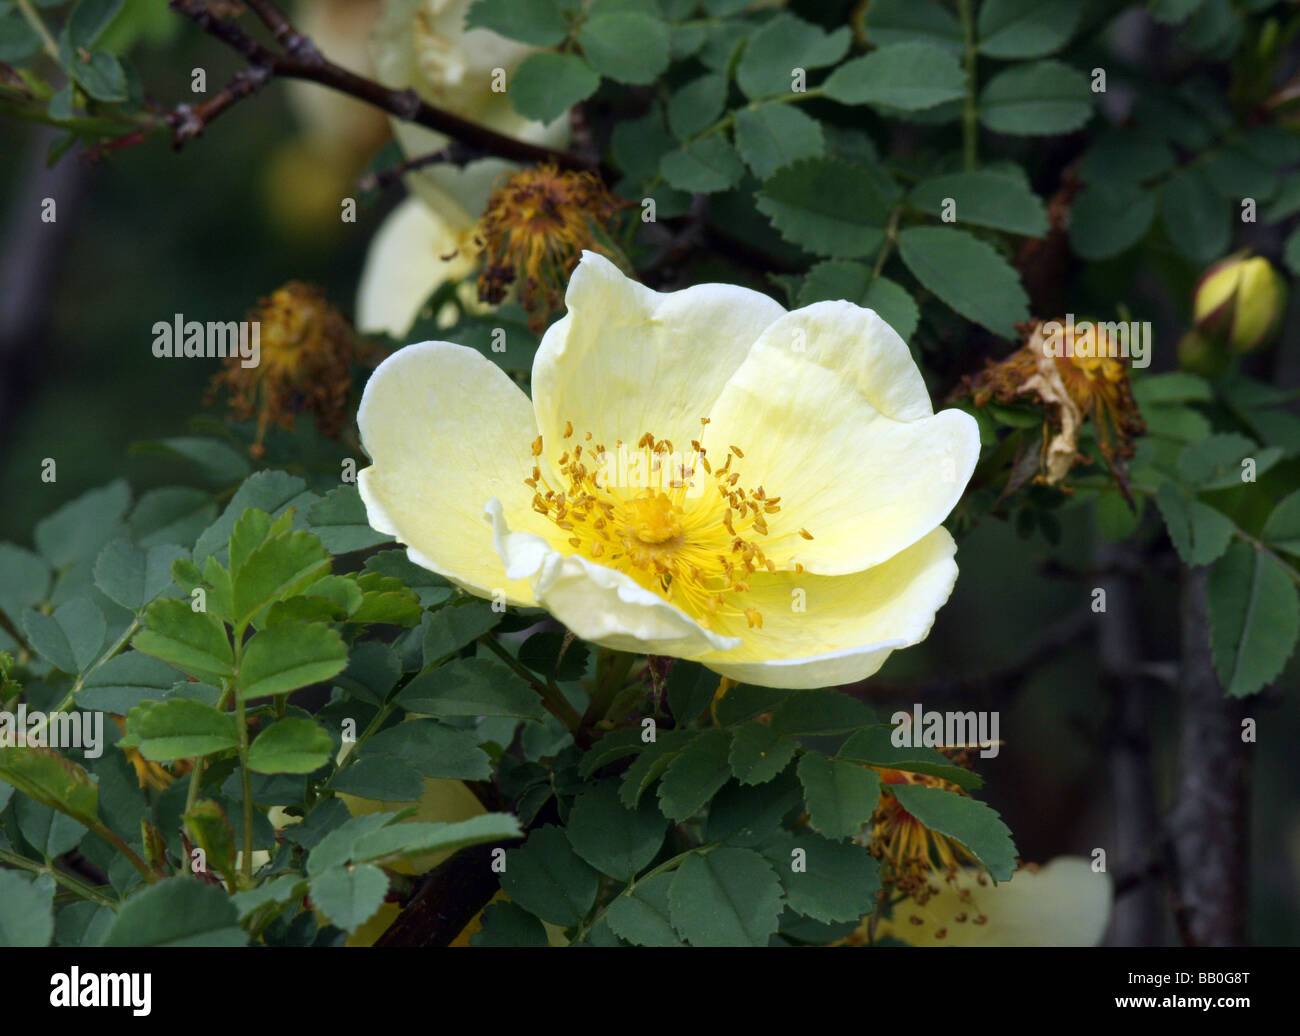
(1062, 903)
(698, 474)
(1081, 379)
(306, 352)
(537, 225)
(908, 851)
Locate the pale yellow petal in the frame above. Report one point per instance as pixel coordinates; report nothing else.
(413, 253)
(832, 417)
(626, 360)
(823, 631)
(597, 603)
(447, 431)
(1063, 903)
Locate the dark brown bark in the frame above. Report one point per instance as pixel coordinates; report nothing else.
(1211, 821)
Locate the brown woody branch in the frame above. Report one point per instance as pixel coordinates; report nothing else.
(300, 59)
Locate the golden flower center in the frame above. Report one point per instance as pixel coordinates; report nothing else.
(676, 524)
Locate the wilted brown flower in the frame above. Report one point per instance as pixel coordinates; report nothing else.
(307, 349)
(537, 224)
(1071, 387)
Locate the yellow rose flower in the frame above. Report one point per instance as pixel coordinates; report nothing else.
(715, 478)
(1063, 903)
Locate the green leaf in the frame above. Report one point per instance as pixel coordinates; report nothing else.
(1199, 533)
(293, 745)
(628, 47)
(547, 878)
(180, 729)
(434, 750)
(102, 76)
(386, 600)
(71, 638)
(125, 680)
(417, 838)
(1215, 462)
(26, 905)
(780, 46)
(967, 274)
(692, 108)
(210, 829)
(193, 641)
(1175, 387)
(727, 897)
(18, 42)
(271, 491)
(1110, 218)
(758, 753)
(48, 831)
(540, 22)
(841, 795)
(1043, 98)
(1026, 28)
(690, 689)
(820, 712)
(505, 924)
(615, 840)
(47, 777)
(220, 463)
(1282, 529)
(24, 579)
(972, 823)
(774, 135)
(695, 774)
(81, 528)
(643, 915)
(382, 777)
(350, 896)
(133, 576)
(339, 519)
(904, 76)
(282, 566)
(912, 21)
(471, 687)
(1254, 618)
(1116, 521)
(546, 85)
(171, 515)
(826, 206)
(288, 656)
(89, 18)
(448, 630)
(874, 745)
(833, 279)
(1196, 219)
(177, 912)
(825, 880)
(984, 199)
(705, 165)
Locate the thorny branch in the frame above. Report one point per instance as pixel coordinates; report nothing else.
(300, 59)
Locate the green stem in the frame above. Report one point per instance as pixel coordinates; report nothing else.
(887, 246)
(969, 114)
(670, 864)
(552, 697)
(38, 26)
(76, 885)
(117, 646)
(245, 778)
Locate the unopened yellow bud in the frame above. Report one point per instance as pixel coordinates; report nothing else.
(1239, 301)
